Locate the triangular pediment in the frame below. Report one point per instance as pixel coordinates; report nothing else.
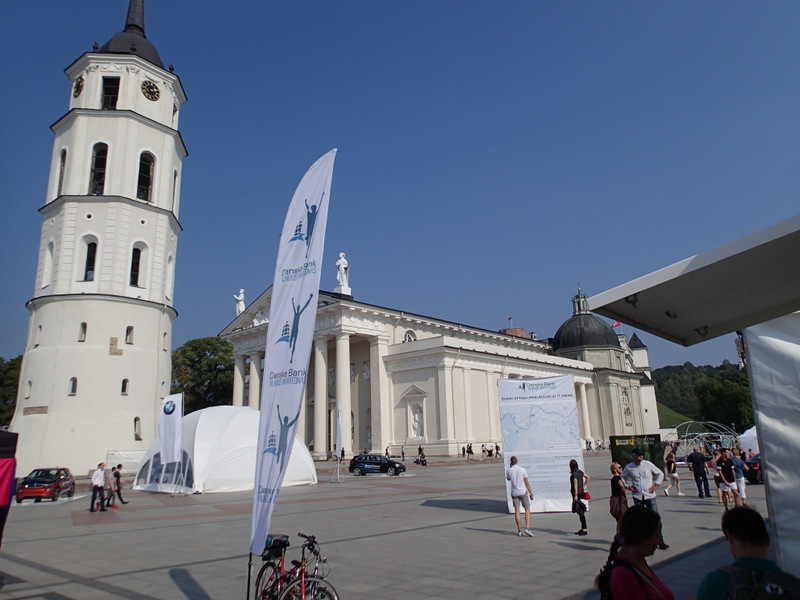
(413, 390)
(255, 314)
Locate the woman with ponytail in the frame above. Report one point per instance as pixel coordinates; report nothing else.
(626, 575)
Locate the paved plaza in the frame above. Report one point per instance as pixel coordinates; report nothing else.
(440, 531)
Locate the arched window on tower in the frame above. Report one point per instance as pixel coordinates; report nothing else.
(47, 271)
(124, 389)
(144, 187)
(137, 429)
(91, 256)
(82, 333)
(129, 334)
(73, 386)
(110, 93)
(61, 169)
(174, 188)
(97, 182)
(136, 257)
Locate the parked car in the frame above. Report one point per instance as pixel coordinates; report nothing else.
(374, 463)
(46, 483)
(753, 473)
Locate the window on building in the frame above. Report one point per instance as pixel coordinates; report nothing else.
(129, 334)
(91, 256)
(110, 93)
(164, 345)
(47, 271)
(137, 429)
(28, 388)
(73, 386)
(409, 336)
(38, 337)
(97, 183)
(82, 333)
(61, 169)
(124, 389)
(136, 257)
(144, 187)
(174, 189)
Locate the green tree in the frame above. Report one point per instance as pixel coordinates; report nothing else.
(9, 382)
(675, 385)
(726, 399)
(203, 370)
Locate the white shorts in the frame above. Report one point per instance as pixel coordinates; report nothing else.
(728, 486)
(741, 485)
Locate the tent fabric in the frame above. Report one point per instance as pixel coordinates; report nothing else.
(749, 440)
(219, 450)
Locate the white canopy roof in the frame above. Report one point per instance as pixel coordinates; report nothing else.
(748, 281)
(219, 455)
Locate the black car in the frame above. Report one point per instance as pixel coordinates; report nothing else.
(753, 473)
(46, 483)
(374, 463)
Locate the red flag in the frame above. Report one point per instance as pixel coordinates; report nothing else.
(616, 324)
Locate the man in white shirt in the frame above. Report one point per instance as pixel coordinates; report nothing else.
(521, 493)
(645, 478)
(98, 481)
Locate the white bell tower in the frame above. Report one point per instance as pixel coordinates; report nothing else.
(98, 358)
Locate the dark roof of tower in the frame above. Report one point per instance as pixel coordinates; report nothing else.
(636, 342)
(583, 329)
(132, 39)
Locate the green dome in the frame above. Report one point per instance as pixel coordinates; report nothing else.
(583, 329)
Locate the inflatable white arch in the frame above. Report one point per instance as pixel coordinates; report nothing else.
(219, 455)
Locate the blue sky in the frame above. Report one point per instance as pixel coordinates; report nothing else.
(493, 156)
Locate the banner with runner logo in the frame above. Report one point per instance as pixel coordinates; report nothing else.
(170, 428)
(539, 423)
(292, 317)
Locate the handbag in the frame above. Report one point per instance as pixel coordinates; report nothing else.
(586, 496)
(617, 505)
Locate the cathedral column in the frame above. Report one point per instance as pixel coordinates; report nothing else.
(343, 390)
(238, 380)
(587, 432)
(445, 405)
(493, 401)
(255, 379)
(468, 405)
(321, 442)
(380, 400)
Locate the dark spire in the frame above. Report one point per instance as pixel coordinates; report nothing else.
(132, 40)
(135, 20)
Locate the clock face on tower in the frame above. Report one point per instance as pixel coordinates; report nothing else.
(150, 90)
(78, 87)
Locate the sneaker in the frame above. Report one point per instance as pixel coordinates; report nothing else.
(681, 494)
(519, 533)
(666, 492)
(529, 533)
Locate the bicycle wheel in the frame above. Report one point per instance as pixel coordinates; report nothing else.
(315, 588)
(267, 582)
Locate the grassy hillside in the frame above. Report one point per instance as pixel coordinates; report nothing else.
(670, 418)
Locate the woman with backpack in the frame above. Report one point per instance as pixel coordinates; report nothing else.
(626, 575)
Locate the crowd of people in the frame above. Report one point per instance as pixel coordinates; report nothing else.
(105, 486)
(626, 574)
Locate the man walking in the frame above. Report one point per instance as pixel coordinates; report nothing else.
(752, 574)
(728, 483)
(521, 494)
(697, 463)
(98, 481)
(645, 478)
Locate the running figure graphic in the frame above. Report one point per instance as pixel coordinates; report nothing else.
(311, 219)
(296, 324)
(283, 440)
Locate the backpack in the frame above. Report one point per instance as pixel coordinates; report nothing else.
(604, 579)
(744, 584)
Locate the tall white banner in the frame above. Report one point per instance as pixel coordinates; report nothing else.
(773, 364)
(539, 423)
(170, 428)
(292, 316)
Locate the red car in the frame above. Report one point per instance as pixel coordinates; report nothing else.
(46, 483)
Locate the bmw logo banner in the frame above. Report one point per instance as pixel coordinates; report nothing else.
(170, 428)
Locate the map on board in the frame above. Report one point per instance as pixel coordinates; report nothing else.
(523, 430)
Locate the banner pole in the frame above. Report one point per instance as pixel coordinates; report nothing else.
(249, 573)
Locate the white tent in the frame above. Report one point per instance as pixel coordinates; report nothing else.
(219, 455)
(749, 440)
